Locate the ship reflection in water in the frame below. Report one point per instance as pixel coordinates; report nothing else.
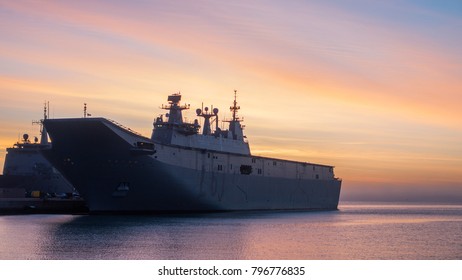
(353, 232)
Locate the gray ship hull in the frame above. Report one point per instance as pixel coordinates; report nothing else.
(113, 172)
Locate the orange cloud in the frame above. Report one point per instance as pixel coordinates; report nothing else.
(378, 101)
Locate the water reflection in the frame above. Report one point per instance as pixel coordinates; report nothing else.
(353, 232)
(205, 236)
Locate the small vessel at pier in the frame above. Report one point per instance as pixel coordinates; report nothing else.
(26, 168)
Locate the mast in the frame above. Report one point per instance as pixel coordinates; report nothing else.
(46, 110)
(235, 124)
(43, 131)
(46, 115)
(235, 108)
(174, 115)
(204, 112)
(163, 130)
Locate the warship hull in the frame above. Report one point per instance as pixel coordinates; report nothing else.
(116, 170)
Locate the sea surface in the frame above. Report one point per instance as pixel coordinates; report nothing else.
(356, 231)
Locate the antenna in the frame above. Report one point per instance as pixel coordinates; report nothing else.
(204, 112)
(85, 113)
(235, 108)
(46, 115)
(46, 110)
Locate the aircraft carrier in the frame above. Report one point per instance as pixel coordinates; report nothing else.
(182, 167)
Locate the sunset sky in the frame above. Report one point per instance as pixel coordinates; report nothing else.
(371, 87)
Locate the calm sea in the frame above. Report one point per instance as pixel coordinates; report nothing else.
(356, 231)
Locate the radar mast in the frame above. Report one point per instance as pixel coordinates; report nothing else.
(43, 131)
(235, 108)
(204, 112)
(235, 126)
(175, 116)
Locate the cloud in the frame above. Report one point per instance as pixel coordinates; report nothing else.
(370, 87)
